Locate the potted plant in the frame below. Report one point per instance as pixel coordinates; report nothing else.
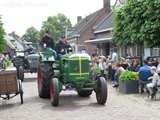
(128, 83)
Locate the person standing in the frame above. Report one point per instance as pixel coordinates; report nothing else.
(47, 43)
(113, 60)
(158, 67)
(62, 46)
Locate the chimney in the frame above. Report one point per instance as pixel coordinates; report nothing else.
(79, 18)
(106, 4)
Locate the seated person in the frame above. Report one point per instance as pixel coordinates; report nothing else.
(123, 63)
(119, 70)
(144, 73)
(155, 78)
(134, 67)
(30, 50)
(61, 46)
(47, 43)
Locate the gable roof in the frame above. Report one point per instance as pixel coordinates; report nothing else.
(12, 45)
(9, 43)
(83, 23)
(106, 24)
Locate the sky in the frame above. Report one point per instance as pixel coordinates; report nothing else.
(18, 15)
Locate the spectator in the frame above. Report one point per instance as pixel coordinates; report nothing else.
(123, 63)
(119, 71)
(158, 67)
(134, 67)
(94, 70)
(155, 78)
(128, 58)
(143, 57)
(95, 53)
(113, 59)
(144, 73)
(102, 65)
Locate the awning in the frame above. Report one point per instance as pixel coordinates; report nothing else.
(102, 40)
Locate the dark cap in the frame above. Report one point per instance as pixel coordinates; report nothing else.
(48, 32)
(63, 36)
(111, 49)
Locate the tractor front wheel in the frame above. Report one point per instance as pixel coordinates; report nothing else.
(54, 92)
(20, 73)
(45, 72)
(102, 92)
(85, 93)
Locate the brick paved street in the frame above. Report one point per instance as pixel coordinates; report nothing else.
(72, 107)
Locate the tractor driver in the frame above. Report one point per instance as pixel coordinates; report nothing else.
(47, 43)
(30, 50)
(61, 46)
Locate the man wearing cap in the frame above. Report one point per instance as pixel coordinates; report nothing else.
(47, 43)
(113, 60)
(61, 46)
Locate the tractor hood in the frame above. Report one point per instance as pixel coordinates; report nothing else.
(76, 56)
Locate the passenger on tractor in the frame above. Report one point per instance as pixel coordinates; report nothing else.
(61, 47)
(47, 43)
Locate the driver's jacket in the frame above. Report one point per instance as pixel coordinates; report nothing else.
(60, 46)
(29, 51)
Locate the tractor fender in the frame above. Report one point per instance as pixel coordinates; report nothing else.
(56, 74)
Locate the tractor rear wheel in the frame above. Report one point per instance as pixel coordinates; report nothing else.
(54, 92)
(20, 73)
(85, 93)
(102, 93)
(45, 72)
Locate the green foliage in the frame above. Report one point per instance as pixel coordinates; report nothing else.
(96, 69)
(9, 62)
(31, 35)
(2, 40)
(56, 24)
(128, 75)
(136, 23)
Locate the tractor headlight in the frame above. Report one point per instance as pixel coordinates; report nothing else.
(54, 65)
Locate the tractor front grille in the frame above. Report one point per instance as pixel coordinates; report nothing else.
(76, 66)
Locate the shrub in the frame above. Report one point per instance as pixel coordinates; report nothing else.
(128, 75)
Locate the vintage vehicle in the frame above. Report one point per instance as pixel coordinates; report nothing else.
(71, 72)
(9, 85)
(25, 63)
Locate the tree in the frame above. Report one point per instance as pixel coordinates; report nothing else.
(56, 24)
(31, 35)
(2, 40)
(137, 23)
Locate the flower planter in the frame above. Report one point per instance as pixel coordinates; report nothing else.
(129, 86)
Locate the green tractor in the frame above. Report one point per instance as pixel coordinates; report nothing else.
(25, 63)
(71, 72)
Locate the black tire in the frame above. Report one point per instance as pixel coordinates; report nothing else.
(45, 73)
(54, 92)
(21, 91)
(85, 93)
(21, 73)
(102, 93)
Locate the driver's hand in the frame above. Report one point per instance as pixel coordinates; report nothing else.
(44, 45)
(62, 50)
(69, 48)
